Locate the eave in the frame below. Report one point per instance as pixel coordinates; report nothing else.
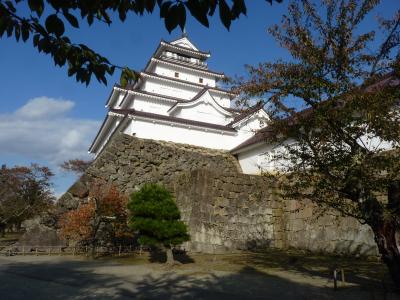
(172, 120)
(164, 44)
(246, 115)
(260, 137)
(151, 95)
(100, 134)
(187, 83)
(240, 149)
(183, 66)
(113, 96)
(120, 127)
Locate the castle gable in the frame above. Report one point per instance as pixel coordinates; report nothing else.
(202, 107)
(185, 43)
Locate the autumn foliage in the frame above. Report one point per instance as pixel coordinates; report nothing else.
(75, 224)
(104, 211)
(25, 192)
(77, 166)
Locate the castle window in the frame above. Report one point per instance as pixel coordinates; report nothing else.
(201, 80)
(176, 74)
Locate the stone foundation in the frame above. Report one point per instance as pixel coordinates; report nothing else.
(225, 209)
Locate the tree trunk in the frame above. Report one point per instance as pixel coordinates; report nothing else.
(385, 238)
(170, 256)
(2, 230)
(93, 249)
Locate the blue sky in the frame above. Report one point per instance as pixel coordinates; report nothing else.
(47, 117)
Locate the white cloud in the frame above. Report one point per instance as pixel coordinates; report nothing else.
(44, 107)
(41, 129)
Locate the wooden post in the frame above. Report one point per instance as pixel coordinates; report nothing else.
(36, 251)
(140, 250)
(49, 251)
(23, 250)
(342, 275)
(335, 279)
(73, 251)
(119, 250)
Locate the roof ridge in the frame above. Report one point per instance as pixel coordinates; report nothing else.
(173, 119)
(187, 82)
(136, 90)
(174, 62)
(187, 49)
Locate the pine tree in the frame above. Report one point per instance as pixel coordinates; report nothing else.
(157, 218)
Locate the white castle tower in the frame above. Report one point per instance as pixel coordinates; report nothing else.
(177, 99)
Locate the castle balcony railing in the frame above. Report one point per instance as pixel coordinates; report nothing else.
(187, 60)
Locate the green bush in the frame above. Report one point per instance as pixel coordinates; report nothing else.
(156, 217)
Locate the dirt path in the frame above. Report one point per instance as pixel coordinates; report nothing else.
(209, 277)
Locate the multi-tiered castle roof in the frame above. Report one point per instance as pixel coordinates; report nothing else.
(178, 99)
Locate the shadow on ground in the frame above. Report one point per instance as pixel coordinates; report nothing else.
(159, 256)
(360, 271)
(63, 278)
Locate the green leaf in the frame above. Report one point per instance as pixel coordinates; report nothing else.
(213, 6)
(36, 38)
(197, 11)
(36, 6)
(123, 81)
(225, 14)
(10, 29)
(55, 25)
(3, 26)
(25, 31)
(10, 6)
(72, 19)
(149, 4)
(181, 14)
(238, 8)
(17, 32)
(140, 6)
(90, 19)
(165, 8)
(121, 13)
(172, 18)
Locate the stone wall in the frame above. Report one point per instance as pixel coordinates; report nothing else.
(129, 162)
(225, 209)
(227, 213)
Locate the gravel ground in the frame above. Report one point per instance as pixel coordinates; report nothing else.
(208, 277)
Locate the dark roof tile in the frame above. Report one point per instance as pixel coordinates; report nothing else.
(134, 112)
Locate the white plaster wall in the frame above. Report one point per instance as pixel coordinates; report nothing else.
(249, 160)
(203, 112)
(251, 125)
(262, 158)
(181, 134)
(151, 105)
(224, 101)
(374, 143)
(169, 89)
(184, 74)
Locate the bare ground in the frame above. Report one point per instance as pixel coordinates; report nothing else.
(263, 275)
